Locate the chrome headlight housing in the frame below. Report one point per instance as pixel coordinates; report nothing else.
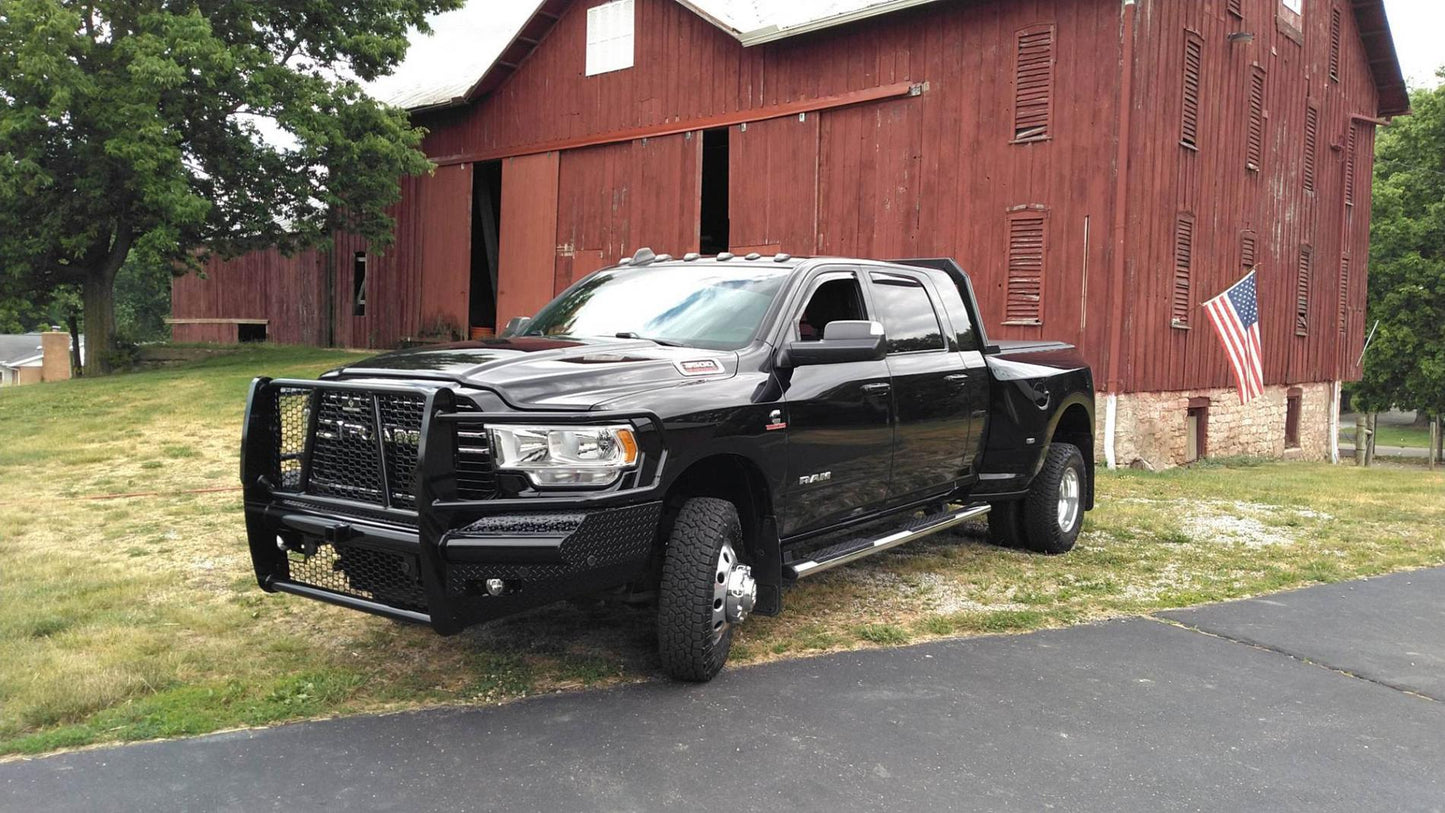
(553, 456)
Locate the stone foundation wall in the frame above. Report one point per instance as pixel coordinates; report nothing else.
(1151, 427)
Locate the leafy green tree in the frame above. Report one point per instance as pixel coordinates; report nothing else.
(1405, 364)
(166, 128)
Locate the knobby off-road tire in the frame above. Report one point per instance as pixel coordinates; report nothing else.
(690, 646)
(1053, 511)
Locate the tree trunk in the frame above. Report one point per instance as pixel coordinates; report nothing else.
(76, 357)
(98, 291)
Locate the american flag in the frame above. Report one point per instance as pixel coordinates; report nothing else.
(1235, 314)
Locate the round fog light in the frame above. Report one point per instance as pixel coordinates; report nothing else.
(496, 587)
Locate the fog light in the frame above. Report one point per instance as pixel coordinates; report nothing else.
(496, 587)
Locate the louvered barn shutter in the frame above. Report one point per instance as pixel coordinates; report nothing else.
(1033, 82)
(1025, 268)
(1183, 263)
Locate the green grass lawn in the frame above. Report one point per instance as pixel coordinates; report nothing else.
(137, 618)
(1389, 435)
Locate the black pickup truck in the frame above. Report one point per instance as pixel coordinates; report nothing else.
(701, 432)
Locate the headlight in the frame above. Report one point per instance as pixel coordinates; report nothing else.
(565, 455)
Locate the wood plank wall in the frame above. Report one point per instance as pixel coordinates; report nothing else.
(289, 291)
(1226, 199)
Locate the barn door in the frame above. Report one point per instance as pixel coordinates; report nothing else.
(526, 247)
(774, 185)
(444, 248)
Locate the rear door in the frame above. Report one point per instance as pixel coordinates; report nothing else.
(935, 393)
(838, 417)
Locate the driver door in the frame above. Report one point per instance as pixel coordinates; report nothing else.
(839, 416)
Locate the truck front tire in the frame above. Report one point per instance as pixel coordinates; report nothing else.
(705, 590)
(1053, 511)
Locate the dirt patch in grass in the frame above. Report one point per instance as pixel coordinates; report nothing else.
(139, 618)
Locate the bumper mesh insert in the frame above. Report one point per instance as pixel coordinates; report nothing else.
(376, 575)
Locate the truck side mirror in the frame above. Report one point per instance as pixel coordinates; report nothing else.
(843, 341)
(516, 326)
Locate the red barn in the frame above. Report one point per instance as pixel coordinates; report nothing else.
(1100, 167)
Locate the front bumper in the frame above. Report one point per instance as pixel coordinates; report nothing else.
(414, 550)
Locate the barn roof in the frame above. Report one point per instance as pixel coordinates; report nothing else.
(473, 49)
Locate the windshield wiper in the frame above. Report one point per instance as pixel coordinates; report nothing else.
(627, 334)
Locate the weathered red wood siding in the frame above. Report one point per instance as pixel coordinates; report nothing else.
(1226, 199)
(417, 286)
(288, 291)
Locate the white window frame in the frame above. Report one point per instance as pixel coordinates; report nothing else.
(611, 36)
(1297, 6)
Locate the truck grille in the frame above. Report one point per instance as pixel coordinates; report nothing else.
(364, 447)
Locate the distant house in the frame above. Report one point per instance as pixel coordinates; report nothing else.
(30, 358)
(1101, 168)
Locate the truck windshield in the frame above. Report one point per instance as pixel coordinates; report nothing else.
(716, 307)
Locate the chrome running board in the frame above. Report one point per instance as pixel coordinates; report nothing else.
(855, 549)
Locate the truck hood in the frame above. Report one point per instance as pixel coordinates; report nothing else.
(552, 373)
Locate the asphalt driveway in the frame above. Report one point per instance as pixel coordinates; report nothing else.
(1325, 698)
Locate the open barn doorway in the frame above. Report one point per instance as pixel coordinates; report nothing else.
(486, 228)
(714, 232)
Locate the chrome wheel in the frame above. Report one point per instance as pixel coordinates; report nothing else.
(1068, 499)
(734, 591)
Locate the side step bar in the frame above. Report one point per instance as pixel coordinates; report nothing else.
(854, 550)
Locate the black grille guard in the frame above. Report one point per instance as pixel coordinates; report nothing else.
(433, 489)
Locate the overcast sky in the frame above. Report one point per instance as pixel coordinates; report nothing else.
(1419, 29)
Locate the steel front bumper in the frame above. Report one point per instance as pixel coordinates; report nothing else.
(447, 563)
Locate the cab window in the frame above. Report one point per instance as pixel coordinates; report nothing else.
(907, 315)
(835, 300)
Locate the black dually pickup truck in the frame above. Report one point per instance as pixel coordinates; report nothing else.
(699, 432)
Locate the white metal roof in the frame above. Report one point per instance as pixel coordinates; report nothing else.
(442, 67)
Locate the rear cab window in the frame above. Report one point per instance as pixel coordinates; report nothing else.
(907, 314)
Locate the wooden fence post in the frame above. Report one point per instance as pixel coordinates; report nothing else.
(1359, 438)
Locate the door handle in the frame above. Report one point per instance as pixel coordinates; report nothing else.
(956, 378)
(877, 388)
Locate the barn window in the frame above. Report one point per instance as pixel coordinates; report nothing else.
(358, 284)
(1193, 77)
(1236, 7)
(1350, 166)
(1033, 82)
(1312, 139)
(1247, 240)
(1344, 293)
(1026, 236)
(1293, 401)
(1335, 22)
(1254, 139)
(610, 37)
(1296, 6)
(1302, 291)
(1183, 265)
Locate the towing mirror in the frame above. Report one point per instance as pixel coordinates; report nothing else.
(843, 341)
(516, 326)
